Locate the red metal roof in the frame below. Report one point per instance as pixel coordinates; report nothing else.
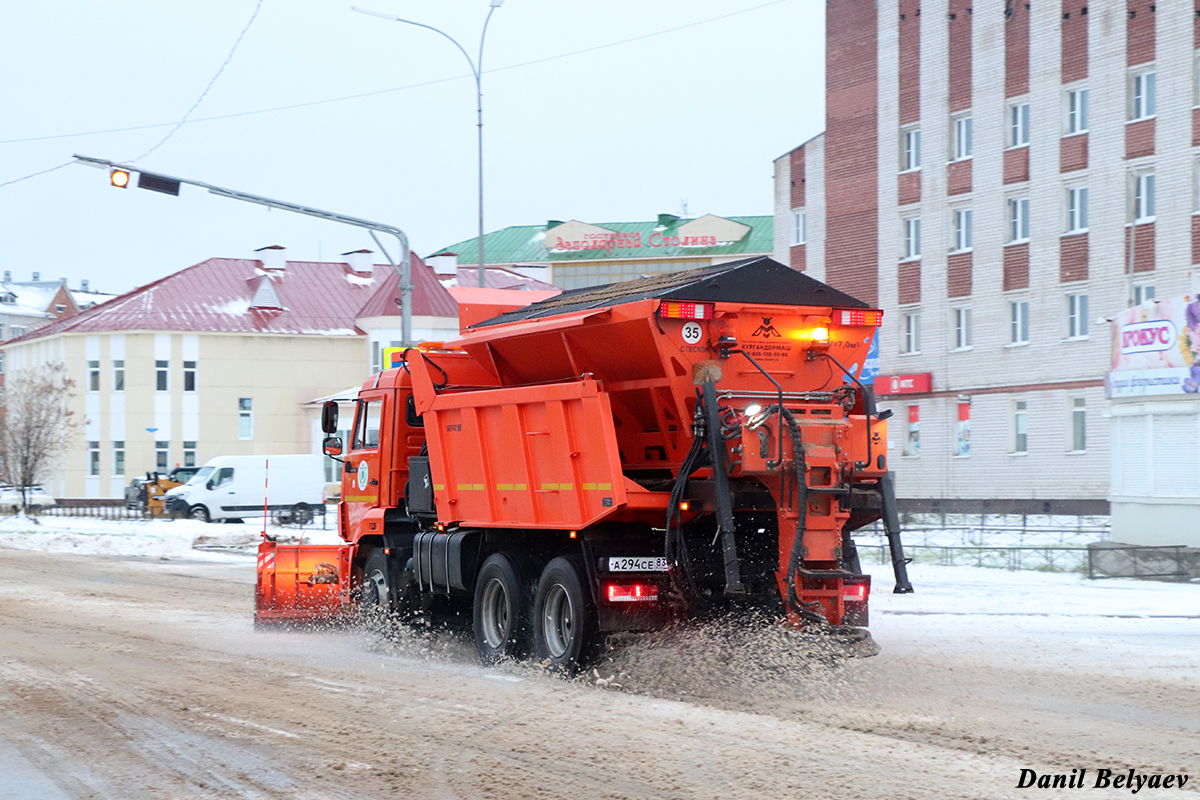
(216, 295)
(430, 298)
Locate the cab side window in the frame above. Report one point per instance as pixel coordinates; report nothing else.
(224, 475)
(366, 427)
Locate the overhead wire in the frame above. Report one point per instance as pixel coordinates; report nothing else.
(183, 120)
(376, 92)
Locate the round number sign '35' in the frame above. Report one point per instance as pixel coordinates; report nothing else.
(363, 475)
(691, 332)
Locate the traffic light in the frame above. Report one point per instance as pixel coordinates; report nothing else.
(119, 178)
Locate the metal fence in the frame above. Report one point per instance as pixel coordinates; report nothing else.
(1066, 558)
(1044, 543)
(1131, 561)
(111, 510)
(95, 511)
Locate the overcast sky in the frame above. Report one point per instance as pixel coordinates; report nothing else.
(619, 133)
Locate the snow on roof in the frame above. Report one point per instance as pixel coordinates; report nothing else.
(430, 298)
(216, 296)
(31, 298)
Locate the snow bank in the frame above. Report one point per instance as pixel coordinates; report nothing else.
(156, 538)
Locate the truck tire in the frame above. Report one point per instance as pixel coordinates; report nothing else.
(375, 596)
(302, 514)
(500, 614)
(198, 512)
(565, 627)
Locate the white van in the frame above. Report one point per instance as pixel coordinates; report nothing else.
(232, 487)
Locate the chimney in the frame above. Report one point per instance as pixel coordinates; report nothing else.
(443, 263)
(37, 276)
(272, 256)
(8, 276)
(63, 281)
(360, 260)
(83, 285)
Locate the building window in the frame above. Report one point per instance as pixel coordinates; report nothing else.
(1078, 425)
(962, 444)
(1018, 313)
(189, 376)
(962, 328)
(245, 418)
(799, 227)
(118, 376)
(118, 458)
(93, 376)
(1077, 111)
(910, 149)
(912, 438)
(964, 219)
(1018, 220)
(376, 357)
(1021, 427)
(1142, 293)
(161, 456)
(911, 342)
(1143, 101)
(1144, 197)
(963, 139)
(1077, 313)
(912, 237)
(18, 331)
(1077, 209)
(1018, 125)
(93, 458)
(189, 454)
(161, 380)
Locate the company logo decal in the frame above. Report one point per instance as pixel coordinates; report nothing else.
(766, 329)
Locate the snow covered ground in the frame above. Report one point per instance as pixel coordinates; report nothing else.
(1062, 620)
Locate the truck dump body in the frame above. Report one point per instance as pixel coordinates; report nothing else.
(688, 441)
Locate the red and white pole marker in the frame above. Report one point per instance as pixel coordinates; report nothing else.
(266, 487)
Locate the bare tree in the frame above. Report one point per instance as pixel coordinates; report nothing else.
(37, 426)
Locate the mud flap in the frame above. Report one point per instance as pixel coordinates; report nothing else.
(302, 582)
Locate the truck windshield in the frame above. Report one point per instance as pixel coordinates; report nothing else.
(202, 475)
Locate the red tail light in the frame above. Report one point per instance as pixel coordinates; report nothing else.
(859, 317)
(856, 590)
(631, 593)
(670, 309)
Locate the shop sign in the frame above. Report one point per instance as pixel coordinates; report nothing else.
(1156, 349)
(628, 241)
(918, 383)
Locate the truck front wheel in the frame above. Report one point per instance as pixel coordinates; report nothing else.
(501, 609)
(565, 628)
(374, 594)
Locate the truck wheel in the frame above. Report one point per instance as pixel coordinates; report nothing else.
(375, 595)
(501, 609)
(199, 513)
(302, 514)
(564, 631)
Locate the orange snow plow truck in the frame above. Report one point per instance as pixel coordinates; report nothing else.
(615, 458)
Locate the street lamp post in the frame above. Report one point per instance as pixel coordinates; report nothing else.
(477, 71)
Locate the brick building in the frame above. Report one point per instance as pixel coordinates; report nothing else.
(998, 176)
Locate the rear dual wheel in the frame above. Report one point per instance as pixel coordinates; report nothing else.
(565, 632)
(503, 601)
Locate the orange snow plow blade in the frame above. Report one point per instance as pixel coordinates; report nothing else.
(301, 583)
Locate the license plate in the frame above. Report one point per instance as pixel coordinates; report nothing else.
(637, 564)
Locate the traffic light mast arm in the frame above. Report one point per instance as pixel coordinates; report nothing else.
(404, 268)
